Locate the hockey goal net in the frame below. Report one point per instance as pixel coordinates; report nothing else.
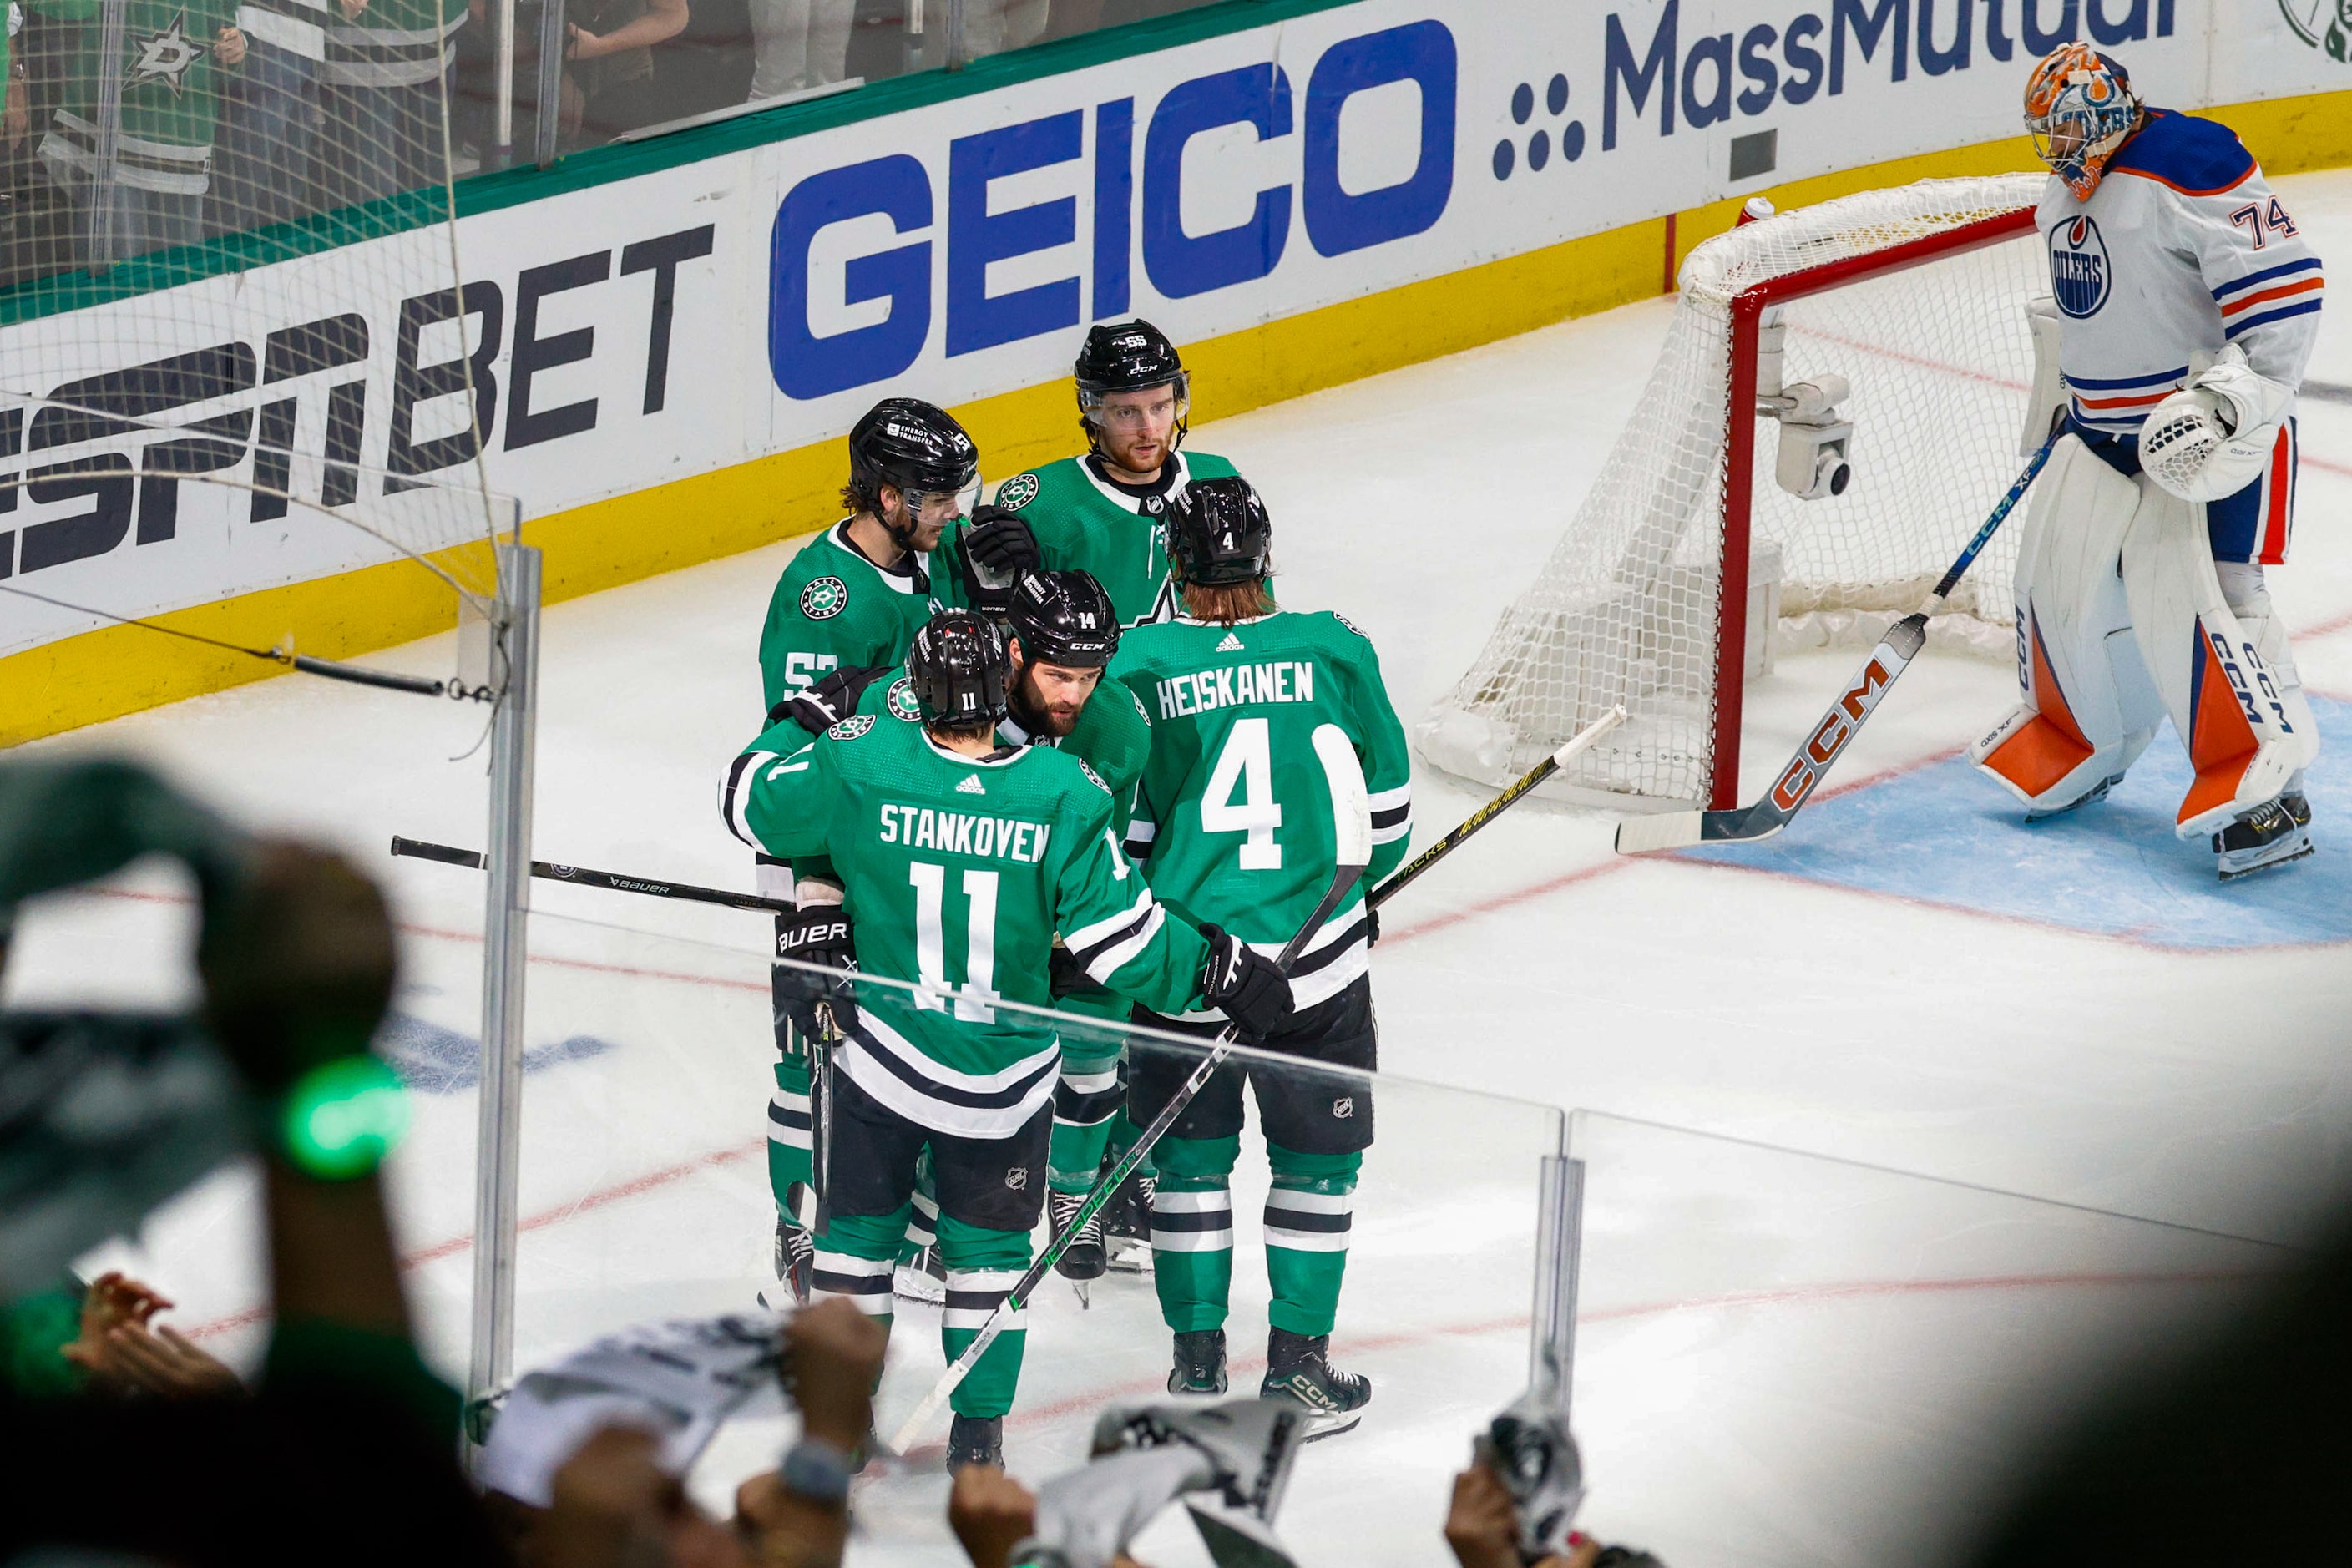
(1689, 561)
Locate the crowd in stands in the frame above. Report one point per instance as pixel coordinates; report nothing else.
(131, 126)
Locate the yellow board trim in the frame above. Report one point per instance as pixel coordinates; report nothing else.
(104, 674)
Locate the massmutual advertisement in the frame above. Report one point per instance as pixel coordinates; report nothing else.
(1272, 160)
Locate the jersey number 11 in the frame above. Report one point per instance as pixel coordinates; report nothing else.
(973, 997)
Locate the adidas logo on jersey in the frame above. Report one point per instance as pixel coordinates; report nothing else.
(1231, 645)
(971, 786)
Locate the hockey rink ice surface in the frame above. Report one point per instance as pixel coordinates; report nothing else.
(1781, 1359)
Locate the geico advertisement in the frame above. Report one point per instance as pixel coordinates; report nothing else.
(627, 334)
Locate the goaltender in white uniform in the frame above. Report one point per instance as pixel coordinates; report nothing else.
(2186, 306)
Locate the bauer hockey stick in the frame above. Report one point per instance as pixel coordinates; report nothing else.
(1351, 821)
(612, 881)
(1811, 764)
(1496, 807)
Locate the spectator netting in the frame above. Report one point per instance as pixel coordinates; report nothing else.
(1625, 610)
(233, 349)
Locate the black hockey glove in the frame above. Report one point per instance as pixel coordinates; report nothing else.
(1371, 925)
(820, 934)
(1065, 977)
(1244, 984)
(829, 702)
(997, 548)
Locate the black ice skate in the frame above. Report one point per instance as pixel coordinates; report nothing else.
(2273, 834)
(1298, 1369)
(795, 1263)
(976, 1440)
(1200, 1362)
(1127, 1225)
(922, 1278)
(1083, 1260)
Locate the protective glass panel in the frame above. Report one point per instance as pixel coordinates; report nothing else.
(646, 1193)
(1787, 1359)
(128, 942)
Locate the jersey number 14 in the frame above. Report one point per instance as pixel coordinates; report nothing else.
(1245, 767)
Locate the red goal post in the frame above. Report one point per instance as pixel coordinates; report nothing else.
(1904, 309)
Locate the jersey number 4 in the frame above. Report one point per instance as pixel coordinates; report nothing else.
(978, 990)
(1245, 767)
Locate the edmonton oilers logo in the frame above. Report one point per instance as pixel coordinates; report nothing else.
(2078, 267)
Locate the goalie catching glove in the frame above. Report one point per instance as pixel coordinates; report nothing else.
(818, 935)
(2213, 438)
(1243, 983)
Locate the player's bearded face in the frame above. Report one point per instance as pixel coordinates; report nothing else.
(1053, 694)
(1137, 427)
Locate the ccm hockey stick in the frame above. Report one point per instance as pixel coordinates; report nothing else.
(612, 881)
(1894, 654)
(1352, 820)
(1763, 818)
(1496, 807)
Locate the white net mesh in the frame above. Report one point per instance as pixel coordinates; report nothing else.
(1940, 362)
(233, 354)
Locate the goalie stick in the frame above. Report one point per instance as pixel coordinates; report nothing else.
(1764, 817)
(1351, 821)
(1828, 739)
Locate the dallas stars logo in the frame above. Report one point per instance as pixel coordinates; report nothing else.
(1017, 491)
(824, 599)
(901, 700)
(166, 56)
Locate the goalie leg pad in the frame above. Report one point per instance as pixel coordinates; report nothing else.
(2243, 743)
(2086, 708)
(2248, 597)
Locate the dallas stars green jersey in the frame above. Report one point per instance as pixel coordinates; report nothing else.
(1086, 523)
(170, 92)
(1112, 737)
(957, 873)
(832, 608)
(1233, 817)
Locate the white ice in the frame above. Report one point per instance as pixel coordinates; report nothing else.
(1781, 1359)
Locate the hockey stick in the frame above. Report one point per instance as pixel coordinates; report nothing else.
(613, 882)
(1951, 579)
(1352, 820)
(1811, 764)
(1496, 807)
(1764, 817)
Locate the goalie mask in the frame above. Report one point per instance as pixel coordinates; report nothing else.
(2080, 107)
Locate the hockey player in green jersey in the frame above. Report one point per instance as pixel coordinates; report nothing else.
(1104, 512)
(845, 610)
(959, 858)
(854, 594)
(1230, 821)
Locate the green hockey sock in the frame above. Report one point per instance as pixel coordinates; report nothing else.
(791, 1158)
(1309, 1212)
(982, 1265)
(854, 1254)
(1085, 1102)
(922, 1214)
(1123, 1134)
(1192, 1231)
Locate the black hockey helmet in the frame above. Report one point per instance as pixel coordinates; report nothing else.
(1130, 356)
(959, 669)
(1065, 619)
(914, 447)
(1218, 531)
